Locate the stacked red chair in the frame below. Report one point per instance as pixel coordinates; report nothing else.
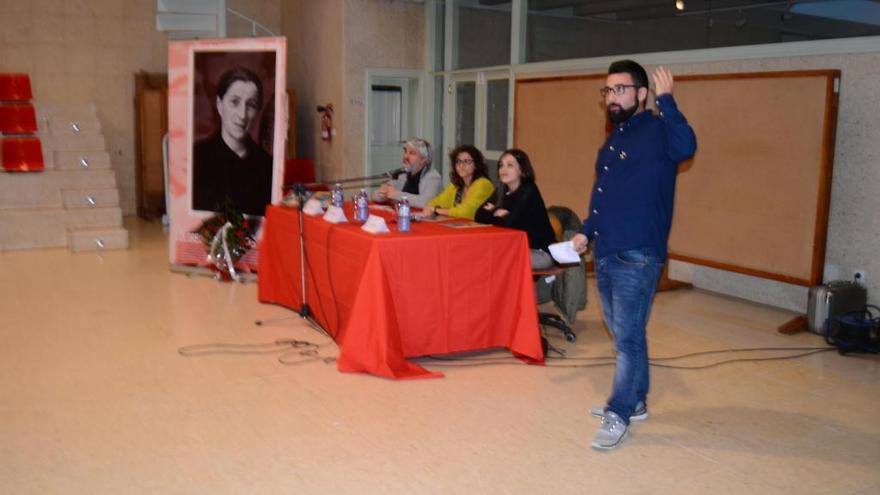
(301, 170)
(20, 149)
(15, 87)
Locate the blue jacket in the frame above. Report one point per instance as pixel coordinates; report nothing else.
(633, 196)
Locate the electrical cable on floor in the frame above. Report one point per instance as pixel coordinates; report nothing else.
(287, 348)
(309, 352)
(609, 360)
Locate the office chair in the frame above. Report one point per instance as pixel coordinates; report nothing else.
(568, 286)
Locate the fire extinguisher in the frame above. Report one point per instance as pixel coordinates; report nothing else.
(326, 112)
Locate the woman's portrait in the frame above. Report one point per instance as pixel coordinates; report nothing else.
(231, 165)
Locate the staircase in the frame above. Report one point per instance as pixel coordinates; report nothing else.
(73, 202)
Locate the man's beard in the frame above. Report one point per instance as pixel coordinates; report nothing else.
(621, 114)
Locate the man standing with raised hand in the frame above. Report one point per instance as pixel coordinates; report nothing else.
(628, 225)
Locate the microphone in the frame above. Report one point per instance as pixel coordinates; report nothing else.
(394, 174)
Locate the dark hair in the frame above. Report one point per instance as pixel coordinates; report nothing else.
(636, 71)
(240, 74)
(480, 168)
(527, 172)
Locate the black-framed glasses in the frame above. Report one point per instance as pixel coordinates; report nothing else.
(464, 161)
(617, 89)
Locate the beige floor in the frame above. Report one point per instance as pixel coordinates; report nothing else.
(96, 399)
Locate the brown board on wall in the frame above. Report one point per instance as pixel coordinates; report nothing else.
(755, 197)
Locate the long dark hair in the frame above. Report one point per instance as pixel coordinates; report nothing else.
(480, 168)
(527, 173)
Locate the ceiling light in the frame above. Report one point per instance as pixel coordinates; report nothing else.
(679, 5)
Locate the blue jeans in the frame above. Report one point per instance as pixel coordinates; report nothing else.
(627, 281)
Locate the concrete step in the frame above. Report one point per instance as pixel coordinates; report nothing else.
(48, 227)
(43, 189)
(71, 141)
(90, 198)
(64, 112)
(97, 239)
(58, 125)
(81, 160)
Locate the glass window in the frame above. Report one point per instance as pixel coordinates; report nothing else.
(482, 30)
(563, 29)
(492, 165)
(439, 43)
(437, 138)
(465, 111)
(497, 91)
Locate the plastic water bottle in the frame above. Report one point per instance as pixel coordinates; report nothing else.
(403, 215)
(361, 206)
(336, 198)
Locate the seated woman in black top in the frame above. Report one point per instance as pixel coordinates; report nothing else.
(519, 205)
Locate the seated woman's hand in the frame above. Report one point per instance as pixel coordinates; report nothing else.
(488, 207)
(501, 212)
(579, 243)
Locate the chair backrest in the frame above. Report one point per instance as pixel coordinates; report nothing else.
(563, 218)
(19, 118)
(299, 170)
(15, 87)
(21, 155)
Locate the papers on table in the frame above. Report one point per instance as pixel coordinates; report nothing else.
(429, 218)
(564, 253)
(464, 225)
(375, 225)
(335, 215)
(312, 207)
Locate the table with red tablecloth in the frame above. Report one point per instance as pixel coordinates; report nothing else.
(386, 297)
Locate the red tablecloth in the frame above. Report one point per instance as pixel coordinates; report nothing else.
(386, 297)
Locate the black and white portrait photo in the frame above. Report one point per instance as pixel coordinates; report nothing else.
(233, 128)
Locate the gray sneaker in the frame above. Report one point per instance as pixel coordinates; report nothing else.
(611, 432)
(639, 414)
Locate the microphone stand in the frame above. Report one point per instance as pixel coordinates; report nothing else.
(305, 311)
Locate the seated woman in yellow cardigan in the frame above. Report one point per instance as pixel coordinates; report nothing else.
(469, 185)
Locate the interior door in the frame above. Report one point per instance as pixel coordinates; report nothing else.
(151, 110)
(392, 119)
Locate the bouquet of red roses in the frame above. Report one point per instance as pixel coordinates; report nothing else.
(227, 236)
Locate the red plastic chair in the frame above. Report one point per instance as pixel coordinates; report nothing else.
(300, 170)
(22, 155)
(15, 87)
(18, 119)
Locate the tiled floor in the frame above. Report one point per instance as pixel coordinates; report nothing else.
(95, 398)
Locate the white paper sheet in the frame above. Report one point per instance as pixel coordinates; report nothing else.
(313, 208)
(375, 225)
(564, 253)
(335, 215)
